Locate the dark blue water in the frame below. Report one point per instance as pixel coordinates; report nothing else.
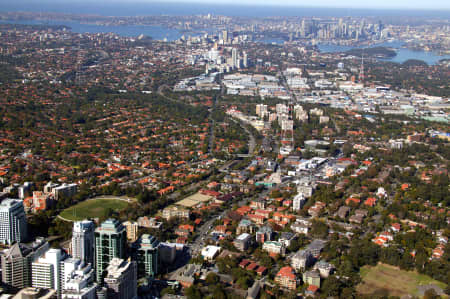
(403, 54)
(131, 8)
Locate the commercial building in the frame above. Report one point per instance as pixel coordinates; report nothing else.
(110, 242)
(121, 279)
(148, 256)
(167, 252)
(210, 252)
(16, 263)
(77, 280)
(13, 222)
(83, 241)
(46, 270)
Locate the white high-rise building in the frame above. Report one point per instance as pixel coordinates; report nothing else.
(46, 271)
(299, 202)
(245, 59)
(235, 58)
(77, 280)
(13, 222)
(83, 241)
(121, 279)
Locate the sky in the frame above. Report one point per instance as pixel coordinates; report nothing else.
(436, 5)
(378, 4)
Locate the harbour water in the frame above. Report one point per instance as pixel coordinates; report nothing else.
(403, 54)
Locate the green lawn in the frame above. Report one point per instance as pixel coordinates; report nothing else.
(93, 208)
(392, 280)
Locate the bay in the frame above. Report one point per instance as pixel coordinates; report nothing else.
(403, 54)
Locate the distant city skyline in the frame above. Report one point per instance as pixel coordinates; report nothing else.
(381, 4)
(350, 4)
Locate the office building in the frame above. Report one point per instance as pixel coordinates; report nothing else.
(110, 242)
(46, 270)
(13, 222)
(83, 241)
(121, 279)
(148, 256)
(167, 252)
(77, 280)
(16, 263)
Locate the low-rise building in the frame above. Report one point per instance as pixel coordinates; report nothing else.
(174, 212)
(274, 248)
(286, 278)
(324, 268)
(312, 278)
(210, 252)
(301, 260)
(264, 234)
(242, 242)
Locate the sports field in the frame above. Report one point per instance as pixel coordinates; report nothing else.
(93, 208)
(387, 279)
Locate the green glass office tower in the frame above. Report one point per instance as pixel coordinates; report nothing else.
(110, 242)
(148, 256)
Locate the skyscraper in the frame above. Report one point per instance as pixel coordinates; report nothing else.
(13, 223)
(245, 59)
(225, 36)
(46, 271)
(147, 258)
(83, 241)
(121, 279)
(235, 58)
(110, 242)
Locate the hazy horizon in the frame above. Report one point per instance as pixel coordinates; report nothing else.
(343, 4)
